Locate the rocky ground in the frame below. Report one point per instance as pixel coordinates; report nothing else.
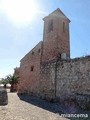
(20, 110)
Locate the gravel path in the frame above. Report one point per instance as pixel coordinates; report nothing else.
(20, 110)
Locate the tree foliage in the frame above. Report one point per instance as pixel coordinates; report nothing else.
(12, 79)
(4, 81)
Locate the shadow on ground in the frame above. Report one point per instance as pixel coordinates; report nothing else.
(54, 107)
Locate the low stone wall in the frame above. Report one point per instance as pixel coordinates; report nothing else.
(3, 97)
(63, 78)
(73, 76)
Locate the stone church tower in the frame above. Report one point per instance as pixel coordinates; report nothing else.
(56, 36)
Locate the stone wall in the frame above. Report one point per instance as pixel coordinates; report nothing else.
(73, 76)
(3, 97)
(30, 71)
(47, 80)
(65, 77)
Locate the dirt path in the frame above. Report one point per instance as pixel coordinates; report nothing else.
(21, 110)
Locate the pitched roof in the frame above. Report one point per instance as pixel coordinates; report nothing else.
(40, 43)
(57, 13)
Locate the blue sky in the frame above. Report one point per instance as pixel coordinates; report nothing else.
(21, 28)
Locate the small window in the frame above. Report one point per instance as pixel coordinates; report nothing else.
(63, 26)
(32, 53)
(32, 68)
(38, 50)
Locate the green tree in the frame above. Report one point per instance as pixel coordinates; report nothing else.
(4, 81)
(13, 80)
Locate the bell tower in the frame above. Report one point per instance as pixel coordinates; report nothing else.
(56, 36)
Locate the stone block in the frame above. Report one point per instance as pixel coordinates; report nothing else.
(83, 101)
(3, 97)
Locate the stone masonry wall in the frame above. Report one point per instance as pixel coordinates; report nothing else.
(30, 71)
(47, 81)
(73, 76)
(3, 97)
(65, 77)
